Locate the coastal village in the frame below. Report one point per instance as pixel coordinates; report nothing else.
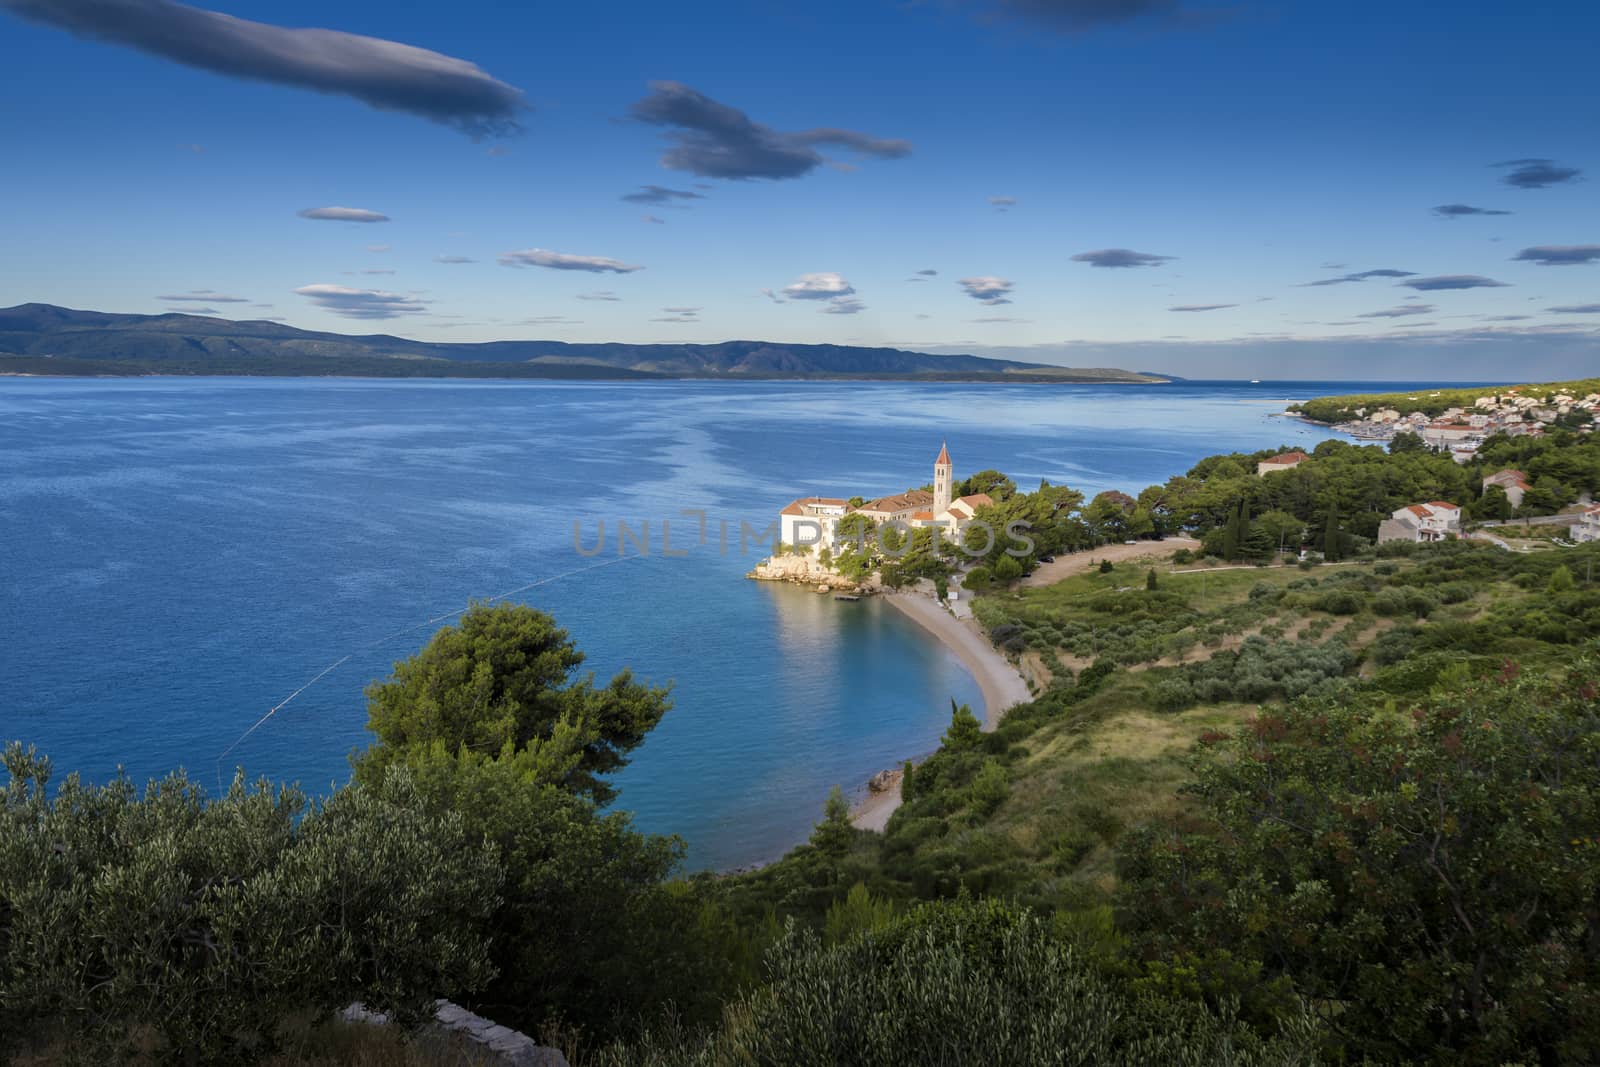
(1462, 430)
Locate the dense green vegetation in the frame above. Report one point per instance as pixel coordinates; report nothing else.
(1331, 409)
(1315, 812)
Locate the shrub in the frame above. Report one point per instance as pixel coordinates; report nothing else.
(956, 983)
(1427, 879)
(1340, 602)
(1172, 694)
(232, 914)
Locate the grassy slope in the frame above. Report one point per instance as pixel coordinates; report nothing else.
(1081, 774)
(1431, 401)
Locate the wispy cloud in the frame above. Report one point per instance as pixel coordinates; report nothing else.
(1361, 276)
(1120, 257)
(654, 220)
(1576, 309)
(383, 74)
(1452, 281)
(660, 194)
(714, 140)
(1201, 307)
(1401, 312)
(987, 289)
(1559, 255)
(821, 285)
(1003, 203)
(1456, 211)
(194, 311)
(1537, 173)
(362, 303)
(843, 305)
(679, 314)
(599, 294)
(1083, 16)
(345, 214)
(204, 296)
(454, 259)
(541, 257)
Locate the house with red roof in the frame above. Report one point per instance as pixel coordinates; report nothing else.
(1436, 520)
(1514, 482)
(1283, 461)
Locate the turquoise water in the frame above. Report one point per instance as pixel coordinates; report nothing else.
(177, 556)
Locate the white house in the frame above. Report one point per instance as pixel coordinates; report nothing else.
(1587, 528)
(810, 520)
(1514, 482)
(1433, 521)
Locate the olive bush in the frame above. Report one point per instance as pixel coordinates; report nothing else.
(194, 927)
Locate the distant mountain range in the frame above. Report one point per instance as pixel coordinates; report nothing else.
(45, 339)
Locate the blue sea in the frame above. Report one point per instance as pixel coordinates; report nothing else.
(180, 555)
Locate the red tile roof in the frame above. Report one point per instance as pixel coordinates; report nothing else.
(1287, 457)
(902, 502)
(798, 507)
(944, 456)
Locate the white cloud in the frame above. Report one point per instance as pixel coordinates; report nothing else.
(542, 257)
(987, 289)
(822, 285)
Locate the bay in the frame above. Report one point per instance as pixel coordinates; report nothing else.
(178, 556)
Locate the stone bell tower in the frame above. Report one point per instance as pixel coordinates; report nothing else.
(943, 478)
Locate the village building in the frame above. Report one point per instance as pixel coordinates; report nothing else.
(813, 521)
(1284, 461)
(1514, 482)
(1587, 528)
(1433, 521)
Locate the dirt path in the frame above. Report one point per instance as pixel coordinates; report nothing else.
(1084, 562)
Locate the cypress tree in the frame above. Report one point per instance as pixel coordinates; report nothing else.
(1332, 536)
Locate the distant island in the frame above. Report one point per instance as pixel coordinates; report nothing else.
(48, 340)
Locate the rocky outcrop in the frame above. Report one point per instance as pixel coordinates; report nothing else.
(884, 781)
(511, 1047)
(807, 570)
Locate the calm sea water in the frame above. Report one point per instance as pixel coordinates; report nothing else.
(177, 556)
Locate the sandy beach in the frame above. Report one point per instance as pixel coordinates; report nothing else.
(1001, 684)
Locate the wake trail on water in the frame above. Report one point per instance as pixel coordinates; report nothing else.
(380, 642)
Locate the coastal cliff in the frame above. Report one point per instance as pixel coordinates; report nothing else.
(807, 570)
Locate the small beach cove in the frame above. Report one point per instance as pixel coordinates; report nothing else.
(999, 681)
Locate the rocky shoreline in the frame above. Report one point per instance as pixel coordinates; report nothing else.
(804, 570)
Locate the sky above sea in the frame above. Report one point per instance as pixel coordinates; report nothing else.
(1288, 189)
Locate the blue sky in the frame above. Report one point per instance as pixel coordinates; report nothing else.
(1258, 147)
